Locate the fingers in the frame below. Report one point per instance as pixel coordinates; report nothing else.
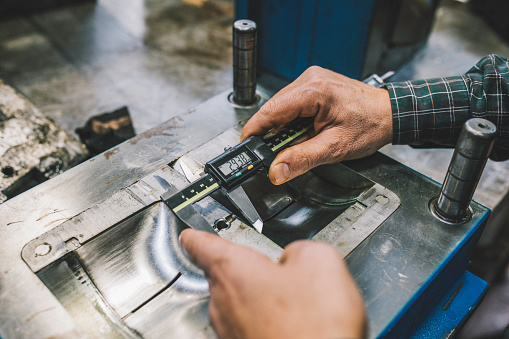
(304, 255)
(302, 97)
(219, 257)
(203, 249)
(274, 113)
(302, 251)
(298, 159)
(282, 109)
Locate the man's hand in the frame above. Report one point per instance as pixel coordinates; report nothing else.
(352, 120)
(308, 294)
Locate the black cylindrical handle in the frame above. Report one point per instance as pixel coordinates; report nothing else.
(244, 62)
(472, 150)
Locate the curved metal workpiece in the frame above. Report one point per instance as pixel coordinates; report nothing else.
(133, 276)
(139, 266)
(389, 265)
(244, 62)
(472, 150)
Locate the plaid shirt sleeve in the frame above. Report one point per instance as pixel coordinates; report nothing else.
(434, 110)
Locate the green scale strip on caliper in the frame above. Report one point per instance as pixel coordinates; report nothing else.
(287, 135)
(208, 184)
(192, 193)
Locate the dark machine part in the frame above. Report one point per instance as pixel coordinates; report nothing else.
(301, 208)
(8, 8)
(106, 130)
(472, 150)
(399, 28)
(494, 12)
(355, 38)
(244, 62)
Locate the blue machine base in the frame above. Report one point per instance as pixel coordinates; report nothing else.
(454, 309)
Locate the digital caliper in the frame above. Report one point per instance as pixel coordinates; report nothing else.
(230, 169)
(237, 164)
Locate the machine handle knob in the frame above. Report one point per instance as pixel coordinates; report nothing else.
(244, 62)
(468, 160)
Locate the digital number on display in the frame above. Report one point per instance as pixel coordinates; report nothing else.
(235, 163)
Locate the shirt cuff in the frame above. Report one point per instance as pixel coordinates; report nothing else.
(431, 110)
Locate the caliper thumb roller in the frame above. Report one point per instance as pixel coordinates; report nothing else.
(469, 158)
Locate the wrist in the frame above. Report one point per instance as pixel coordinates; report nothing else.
(383, 113)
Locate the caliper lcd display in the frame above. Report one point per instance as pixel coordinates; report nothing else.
(235, 163)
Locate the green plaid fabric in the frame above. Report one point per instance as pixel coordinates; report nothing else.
(434, 110)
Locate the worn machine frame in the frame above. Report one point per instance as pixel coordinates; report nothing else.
(404, 268)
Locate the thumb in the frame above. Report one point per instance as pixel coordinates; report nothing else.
(299, 159)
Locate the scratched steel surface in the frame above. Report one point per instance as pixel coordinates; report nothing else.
(44, 207)
(401, 255)
(135, 274)
(389, 266)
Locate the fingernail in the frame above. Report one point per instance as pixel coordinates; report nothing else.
(182, 247)
(281, 173)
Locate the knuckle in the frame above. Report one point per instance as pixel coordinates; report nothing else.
(337, 153)
(317, 81)
(313, 97)
(321, 250)
(309, 92)
(301, 247)
(314, 69)
(265, 114)
(296, 246)
(314, 75)
(327, 250)
(267, 108)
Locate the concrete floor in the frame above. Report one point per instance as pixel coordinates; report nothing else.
(162, 57)
(159, 58)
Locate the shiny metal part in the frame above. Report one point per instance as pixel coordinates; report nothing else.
(135, 260)
(77, 293)
(69, 235)
(244, 62)
(58, 225)
(192, 218)
(91, 198)
(134, 274)
(301, 208)
(191, 168)
(355, 224)
(472, 150)
(239, 198)
(243, 234)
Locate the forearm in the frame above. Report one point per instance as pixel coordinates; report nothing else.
(434, 110)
